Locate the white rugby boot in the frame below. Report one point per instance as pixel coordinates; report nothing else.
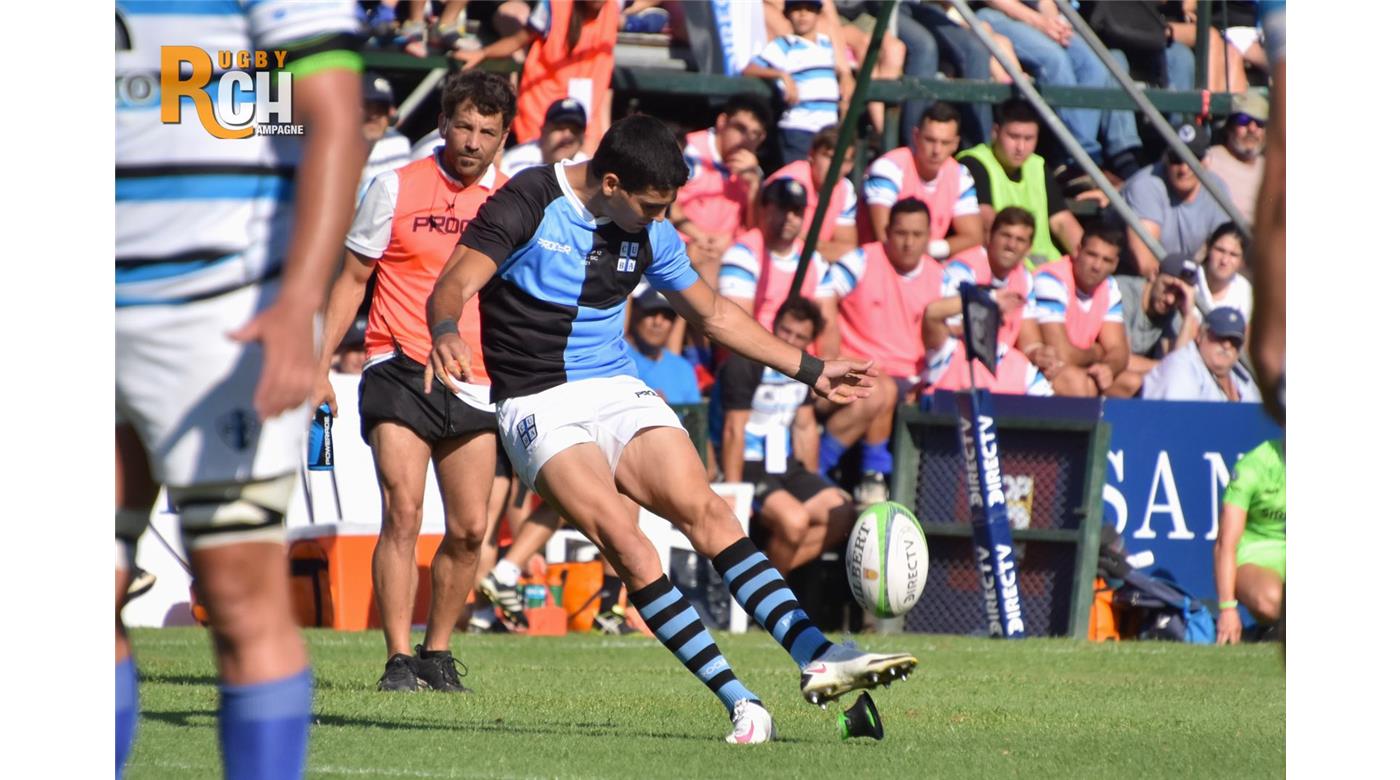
(844, 668)
(752, 724)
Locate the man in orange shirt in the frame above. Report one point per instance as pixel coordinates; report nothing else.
(405, 228)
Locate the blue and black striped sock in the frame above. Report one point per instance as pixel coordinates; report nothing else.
(762, 592)
(676, 623)
(126, 711)
(263, 727)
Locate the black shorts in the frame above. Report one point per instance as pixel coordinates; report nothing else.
(804, 485)
(392, 391)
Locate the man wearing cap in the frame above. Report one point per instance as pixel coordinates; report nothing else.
(561, 138)
(661, 369)
(1207, 369)
(758, 270)
(838, 232)
(389, 148)
(1173, 204)
(1159, 318)
(1240, 160)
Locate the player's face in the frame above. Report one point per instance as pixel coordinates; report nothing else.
(472, 140)
(1224, 259)
(653, 328)
(821, 163)
(560, 142)
(934, 142)
(908, 240)
(633, 210)
(1014, 142)
(798, 333)
(1008, 246)
(803, 18)
(1219, 353)
(1093, 263)
(783, 224)
(740, 131)
(377, 116)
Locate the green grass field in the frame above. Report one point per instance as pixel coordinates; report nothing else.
(584, 706)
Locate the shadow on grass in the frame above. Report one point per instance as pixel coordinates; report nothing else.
(178, 679)
(198, 718)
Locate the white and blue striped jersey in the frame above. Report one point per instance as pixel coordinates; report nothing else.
(883, 179)
(740, 270)
(1051, 299)
(956, 271)
(197, 215)
(812, 65)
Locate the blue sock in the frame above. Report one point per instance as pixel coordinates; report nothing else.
(676, 623)
(761, 591)
(876, 457)
(829, 452)
(126, 711)
(263, 727)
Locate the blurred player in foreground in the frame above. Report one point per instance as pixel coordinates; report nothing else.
(555, 254)
(224, 248)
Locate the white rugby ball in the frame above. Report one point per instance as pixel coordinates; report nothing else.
(887, 559)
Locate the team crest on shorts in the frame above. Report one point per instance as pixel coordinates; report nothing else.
(238, 429)
(525, 429)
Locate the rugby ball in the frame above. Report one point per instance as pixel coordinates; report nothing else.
(887, 559)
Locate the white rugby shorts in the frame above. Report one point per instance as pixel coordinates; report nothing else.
(606, 411)
(188, 390)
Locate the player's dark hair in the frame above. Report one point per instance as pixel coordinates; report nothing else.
(1016, 110)
(642, 153)
(488, 93)
(802, 310)
(941, 112)
(744, 101)
(1015, 216)
(825, 139)
(1109, 234)
(1229, 229)
(908, 206)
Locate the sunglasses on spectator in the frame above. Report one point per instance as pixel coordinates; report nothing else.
(1242, 120)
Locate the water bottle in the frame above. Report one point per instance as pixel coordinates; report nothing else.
(320, 455)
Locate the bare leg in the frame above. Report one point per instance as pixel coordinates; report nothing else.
(401, 462)
(788, 524)
(136, 490)
(1260, 590)
(831, 517)
(1125, 385)
(247, 589)
(465, 472)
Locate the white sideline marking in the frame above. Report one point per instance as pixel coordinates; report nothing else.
(323, 769)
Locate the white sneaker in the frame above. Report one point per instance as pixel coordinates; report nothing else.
(752, 724)
(844, 668)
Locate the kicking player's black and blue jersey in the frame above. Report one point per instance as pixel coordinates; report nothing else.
(553, 312)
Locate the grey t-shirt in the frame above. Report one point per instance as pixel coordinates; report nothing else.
(1144, 332)
(1185, 225)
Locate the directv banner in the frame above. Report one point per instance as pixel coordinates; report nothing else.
(991, 533)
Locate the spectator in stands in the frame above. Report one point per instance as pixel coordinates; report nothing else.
(804, 67)
(929, 35)
(1007, 172)
(883, 288)
(1052, 52)
(571, 55)
(561, 139)
(1251, 549)
(838, 233)
(853, 24)
(717, 203)
(1002, 267)
(758, 270)
(1173, 204)
(1221, 283)
(1240, 160)
(1208, 369)
(1159, 316)
(661, 369)
(926, 170)
(1080, 310)
(770, 440)
(643, 16)
(389, 148)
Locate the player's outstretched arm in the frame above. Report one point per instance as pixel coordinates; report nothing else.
(328, 102)
(841, 381)
(466, 272)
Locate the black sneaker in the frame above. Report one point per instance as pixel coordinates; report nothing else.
(613, 622)
(507, 600)
(439, 670)
(400, 674)
(482, 625)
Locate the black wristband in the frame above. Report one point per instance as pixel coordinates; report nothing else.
(443, 328)
(809, 370)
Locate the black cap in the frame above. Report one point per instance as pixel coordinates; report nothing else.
(789, 5)
(786, 192)
(651, 301)
(1197, 139)
(377, 89)
(1180, 266)
(1227, 322)
(566, 111)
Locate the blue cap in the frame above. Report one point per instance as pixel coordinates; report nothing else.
(1227, 322)
(1180, 266)
(785, 192)
(815, 5)
(650, 301)
(566, 110)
